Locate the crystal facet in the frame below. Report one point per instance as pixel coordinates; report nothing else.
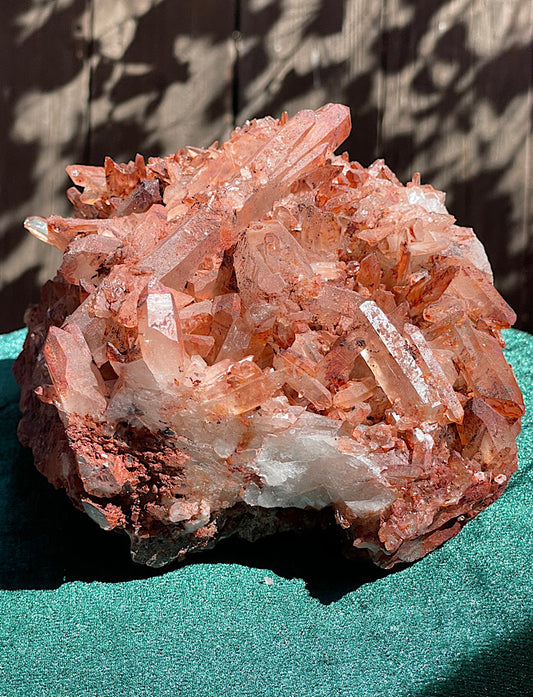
(257, 336)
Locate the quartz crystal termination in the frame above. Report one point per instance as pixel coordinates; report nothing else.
(262, 336)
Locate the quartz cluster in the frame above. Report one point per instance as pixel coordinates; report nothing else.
(248, 338)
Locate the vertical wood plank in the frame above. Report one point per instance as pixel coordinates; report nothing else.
(458, 109)
(86, 78)
(45, 88)
(441, 87)
(161, 76)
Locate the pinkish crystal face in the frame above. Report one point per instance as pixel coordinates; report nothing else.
(242, 335)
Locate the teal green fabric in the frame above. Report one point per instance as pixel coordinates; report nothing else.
(284, 617)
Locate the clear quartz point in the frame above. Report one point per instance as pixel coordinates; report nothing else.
(263, 335)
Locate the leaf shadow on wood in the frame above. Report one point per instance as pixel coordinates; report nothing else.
(52, 55)
(45, 51)
(135, 83)
(39, 61)
(482, 199)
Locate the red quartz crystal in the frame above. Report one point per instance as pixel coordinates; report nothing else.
(241, 336)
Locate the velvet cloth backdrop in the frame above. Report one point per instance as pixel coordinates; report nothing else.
(286, 616)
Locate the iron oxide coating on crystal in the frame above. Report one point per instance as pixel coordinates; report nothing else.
(243, 338)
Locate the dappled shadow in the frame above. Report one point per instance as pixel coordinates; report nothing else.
(504, 667)
(24, 75)
(431, 64)
(478, 193)
(434, 67)
(146, 69)
(135, 82)
(47, 49)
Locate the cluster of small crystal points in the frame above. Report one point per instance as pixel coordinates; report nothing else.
(241, 336)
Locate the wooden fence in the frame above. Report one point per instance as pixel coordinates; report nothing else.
(443, 87)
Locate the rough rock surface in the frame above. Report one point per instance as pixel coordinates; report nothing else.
(264, 335)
